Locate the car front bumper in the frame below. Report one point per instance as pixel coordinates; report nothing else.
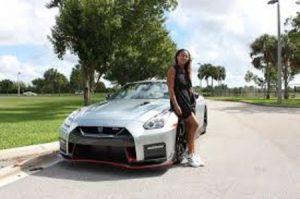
(139, 145)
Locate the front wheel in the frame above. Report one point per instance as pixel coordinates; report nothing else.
(205, 121)
(181, 142)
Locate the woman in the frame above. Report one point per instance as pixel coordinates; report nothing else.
(182, 100)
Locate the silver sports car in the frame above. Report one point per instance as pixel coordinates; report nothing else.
(134, 128)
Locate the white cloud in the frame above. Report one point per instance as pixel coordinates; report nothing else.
(10, 66)
(25, 22)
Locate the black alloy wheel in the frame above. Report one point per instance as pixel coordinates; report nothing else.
(181, 142)
(205, 121)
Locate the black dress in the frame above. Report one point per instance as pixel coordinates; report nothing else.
(184, 97)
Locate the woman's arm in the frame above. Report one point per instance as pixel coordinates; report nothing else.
(191, 90)
(171, 82)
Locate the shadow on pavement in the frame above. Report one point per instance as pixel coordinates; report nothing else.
(81, 171)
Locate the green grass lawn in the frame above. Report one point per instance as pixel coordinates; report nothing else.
(34, 120)
(294, 102)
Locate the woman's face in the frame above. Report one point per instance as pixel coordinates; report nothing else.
(183, 57)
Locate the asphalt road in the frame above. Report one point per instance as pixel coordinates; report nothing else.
(250, 152)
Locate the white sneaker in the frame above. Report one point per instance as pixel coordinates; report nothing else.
(194, 160)
(185, 156)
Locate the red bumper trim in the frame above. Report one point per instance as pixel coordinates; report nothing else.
(125, 166)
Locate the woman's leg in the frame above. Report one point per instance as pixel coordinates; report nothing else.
(192, 126)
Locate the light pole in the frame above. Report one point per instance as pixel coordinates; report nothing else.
(279, 69)
(19, 73)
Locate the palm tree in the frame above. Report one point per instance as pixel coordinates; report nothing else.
(249, 76)
(200, 74)
(204, 72)
(291, 64)
(221, 74)
(213, 73)
(263, 54)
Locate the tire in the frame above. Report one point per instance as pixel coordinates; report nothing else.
(205, 121)
(181, 142)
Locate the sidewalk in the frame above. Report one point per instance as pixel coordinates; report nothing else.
(12, 160)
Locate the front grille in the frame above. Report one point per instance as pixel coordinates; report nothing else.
(102, 143)
(71, 147)
(89, 136)
(102, 153)
(100, 130)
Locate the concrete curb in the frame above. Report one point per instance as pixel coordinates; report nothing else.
(28, 166)
(15, 168)
(25, 157)
(26, 151)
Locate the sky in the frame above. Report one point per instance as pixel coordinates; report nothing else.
(214, 31)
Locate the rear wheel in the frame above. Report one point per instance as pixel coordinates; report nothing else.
(181, 142)
(205, 121)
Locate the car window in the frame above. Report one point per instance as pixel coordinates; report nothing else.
(146, 90)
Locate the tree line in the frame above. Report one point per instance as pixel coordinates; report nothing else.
(55, 82)
(52, 82)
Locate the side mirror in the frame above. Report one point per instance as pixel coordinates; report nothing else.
(196, 95)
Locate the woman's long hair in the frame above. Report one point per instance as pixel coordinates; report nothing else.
(187, 66)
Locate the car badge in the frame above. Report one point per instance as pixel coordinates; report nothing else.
(100, 129)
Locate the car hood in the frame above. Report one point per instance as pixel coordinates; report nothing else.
(125, 110)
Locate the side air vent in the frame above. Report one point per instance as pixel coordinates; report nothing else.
(144, 103)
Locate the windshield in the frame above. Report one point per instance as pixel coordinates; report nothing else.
(145, 90)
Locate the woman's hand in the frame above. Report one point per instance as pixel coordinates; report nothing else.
(192, 92)
(178, 110)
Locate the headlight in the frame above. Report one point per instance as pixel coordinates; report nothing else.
(157, 121)
(68, 121)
